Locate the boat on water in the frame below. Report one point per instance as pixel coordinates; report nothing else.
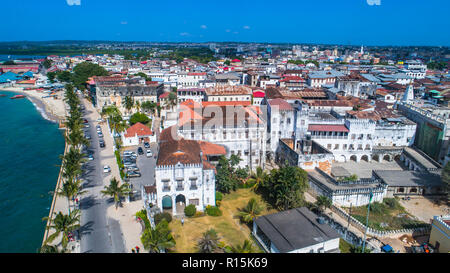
(18, 97)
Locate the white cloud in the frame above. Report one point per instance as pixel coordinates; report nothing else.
(204, 26)
(246, 27)
(124, 22)
(184, 34)
(235, 32)
(227, 30)
(73, 2)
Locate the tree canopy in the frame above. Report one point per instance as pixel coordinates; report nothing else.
(229, 176)
(84, 70)
(139, 117)
(286, 186)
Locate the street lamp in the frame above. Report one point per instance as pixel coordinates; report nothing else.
(367, 221)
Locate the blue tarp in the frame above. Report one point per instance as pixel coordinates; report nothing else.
(387, 248)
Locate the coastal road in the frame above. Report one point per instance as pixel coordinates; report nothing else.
(99, 233)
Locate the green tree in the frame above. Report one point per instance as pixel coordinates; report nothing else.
(209, 242)
(228, 176)
(129, 103)
(286, 186)
(84, 70)
(63, 224)
(257, 178)
(47, 63)
(9, 62)
(323, 203)
(143, 75)
(116, 191)
(246, 247)
(251, 211)
(158, 239)
(139, 117)
(51, 76)
(71, 190)
(50, 249)
(64, 76)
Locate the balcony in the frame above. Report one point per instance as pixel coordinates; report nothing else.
(193, 187)
(166, 188)
(180, 188)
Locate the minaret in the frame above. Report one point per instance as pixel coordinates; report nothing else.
(362, 50)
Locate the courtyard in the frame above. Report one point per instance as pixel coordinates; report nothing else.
(228, 226)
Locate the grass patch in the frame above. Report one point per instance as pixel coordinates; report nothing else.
(228, 226)
(344, 246)
(386, 215)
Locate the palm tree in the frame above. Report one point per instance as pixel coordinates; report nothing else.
(137, 105)
(63, 224)
(71, 189)
(322, 203)
(172, 100)
(116, 191)
(128, 103)
(257, 178)
(251, 211)
(209, 242)
(158, 239)
(246, 247)
(117, 124)
(50, 249)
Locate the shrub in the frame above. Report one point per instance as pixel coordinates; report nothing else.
(213, 211)
(199, 214)
(165, 215)
(190, 210)
(219, 196)
(218, 203)
(143, 215)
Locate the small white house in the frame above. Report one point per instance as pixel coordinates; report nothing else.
(137, 134)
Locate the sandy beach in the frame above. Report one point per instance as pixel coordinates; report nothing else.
(51, 109)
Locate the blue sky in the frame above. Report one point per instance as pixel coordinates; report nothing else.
(393, 22)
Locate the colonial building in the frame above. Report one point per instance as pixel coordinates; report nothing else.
(191, 79)
(113, 90)
(280, 121)
(228, 93)
(184, 174)
(137, 134)
(236, 125)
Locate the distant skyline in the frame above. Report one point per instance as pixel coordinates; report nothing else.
(349, 22)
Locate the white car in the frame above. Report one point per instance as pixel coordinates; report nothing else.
(149, 153)
(106, 169)
(99, 120)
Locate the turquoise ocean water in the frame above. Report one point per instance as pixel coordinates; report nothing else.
(29, 157)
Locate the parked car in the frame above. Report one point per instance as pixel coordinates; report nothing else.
(128, 164)
(87, 136)
(99, 120)
(85, 121)
(134, 174)
(132, 169)
(90, 157)
(127, 153)
(140, 151)
(149, 153)
(86, 125)
(106, 169)
(146, 145)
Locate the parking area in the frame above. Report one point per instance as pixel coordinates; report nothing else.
(425, 207)
(146, 167)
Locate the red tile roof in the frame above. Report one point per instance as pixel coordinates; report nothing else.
(282, 104)
(140, 129)
(328, 127)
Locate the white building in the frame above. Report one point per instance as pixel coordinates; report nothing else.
(237, 127)
(183, 173)
(281, 121)
(191, 79)
(228, 93)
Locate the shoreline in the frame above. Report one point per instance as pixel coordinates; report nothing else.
(48, 110)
